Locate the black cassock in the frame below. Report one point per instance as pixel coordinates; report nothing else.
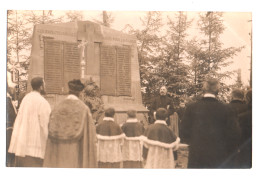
(212, 131)
(162, 102)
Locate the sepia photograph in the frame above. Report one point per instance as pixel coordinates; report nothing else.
(129, 89)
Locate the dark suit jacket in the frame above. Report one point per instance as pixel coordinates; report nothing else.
(245, 144)
(238, 106)
(212, 132)
(162, 102)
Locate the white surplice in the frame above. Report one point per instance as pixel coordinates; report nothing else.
(30, 130)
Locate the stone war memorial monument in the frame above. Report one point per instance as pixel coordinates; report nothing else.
(86, 50)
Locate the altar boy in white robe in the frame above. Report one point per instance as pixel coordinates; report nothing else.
(110, 140)
(159, 143)
(133, 144)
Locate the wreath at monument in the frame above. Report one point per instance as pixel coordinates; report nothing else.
(92, 98)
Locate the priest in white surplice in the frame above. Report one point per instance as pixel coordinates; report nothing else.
(30, 130)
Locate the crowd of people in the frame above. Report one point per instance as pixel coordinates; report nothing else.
(219, 135)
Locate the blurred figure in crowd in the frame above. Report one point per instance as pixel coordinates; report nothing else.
(180, 112)
(237, 101)
(245, 144)
(238, 106)
(10, 119)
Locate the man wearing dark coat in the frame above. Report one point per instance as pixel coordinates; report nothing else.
(245, 143)
(238, 107)
(210, 129)
(237, 101)
(162, 101)
(180, 112)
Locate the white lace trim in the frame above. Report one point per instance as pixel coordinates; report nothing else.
(209, 95)
(101, 137)
(159, 158)
(173, 145)
(134, 120)
(142, 138)
(108, 119)
(132, 150)
(160, 122)
(72, 97)
(110, 150)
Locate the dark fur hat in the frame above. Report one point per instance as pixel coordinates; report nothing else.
(75, 85)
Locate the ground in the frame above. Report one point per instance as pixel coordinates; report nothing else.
(182, 160)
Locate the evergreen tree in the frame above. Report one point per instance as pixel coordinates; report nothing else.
(208, 56)
(19, 31)
(43, 17)
(149, 44)
(172, 68)
(18, 43)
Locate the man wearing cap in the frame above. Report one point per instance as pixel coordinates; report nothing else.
(210, 129)
(71, 141)
(30, 130)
